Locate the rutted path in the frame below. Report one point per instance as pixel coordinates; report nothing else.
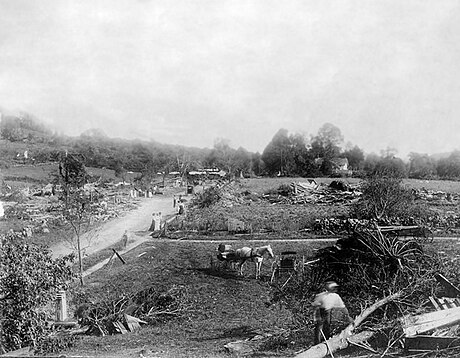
(136, 222)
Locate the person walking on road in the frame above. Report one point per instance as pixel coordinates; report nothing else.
(330, 313)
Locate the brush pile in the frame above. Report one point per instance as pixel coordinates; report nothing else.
(149, 306)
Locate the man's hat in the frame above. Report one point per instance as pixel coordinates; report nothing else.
(331, 285)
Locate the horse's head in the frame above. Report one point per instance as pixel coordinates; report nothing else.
(270, 251)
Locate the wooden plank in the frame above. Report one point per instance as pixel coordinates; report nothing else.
(133, 322)
(451, 290)
(133, 319)
(413, 325)
(430, 343)
(133, 326)
(21, 352)
(119, 326)
(119, 256)
(449, 303)
(444, 302)
(435, 303)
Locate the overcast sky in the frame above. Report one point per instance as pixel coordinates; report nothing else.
(387, 73)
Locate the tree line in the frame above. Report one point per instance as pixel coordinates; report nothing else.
(287, 154)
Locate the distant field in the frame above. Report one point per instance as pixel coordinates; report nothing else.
(447, 186)
(26, 175)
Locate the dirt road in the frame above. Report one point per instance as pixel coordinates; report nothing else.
(136, 222)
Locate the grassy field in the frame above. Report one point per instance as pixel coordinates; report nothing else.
(447, 186)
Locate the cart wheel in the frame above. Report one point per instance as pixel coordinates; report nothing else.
(275, 270)
(302, 265)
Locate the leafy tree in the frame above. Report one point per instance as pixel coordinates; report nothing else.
(326, 167)
(242, 161)
(421, 166)
(449, 168)
(370, 162)
(257, 164)
(300, 161)
(391, 166)
(29, 279)
(155, 161)
(72, 173)
(223, 156)
(141, 158)
(120, 171)
(276, 153)
(389, 152)
(355, 156)
(11, 130)
(328, 142)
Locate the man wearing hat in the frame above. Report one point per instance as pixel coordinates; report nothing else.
(329, 312)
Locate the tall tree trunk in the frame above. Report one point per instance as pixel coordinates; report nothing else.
(80, 260)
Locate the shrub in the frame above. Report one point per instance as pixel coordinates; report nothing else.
(29, 279)
(383, 198)
(207, 197)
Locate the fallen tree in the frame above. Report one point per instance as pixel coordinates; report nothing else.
(341, 340)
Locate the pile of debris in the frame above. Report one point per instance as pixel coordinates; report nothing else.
(438, 196)
(310, 192)
(40, 208)
(119, 315)
(377, 268)
(435, 330)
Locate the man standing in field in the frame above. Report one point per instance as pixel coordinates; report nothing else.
(330, 313)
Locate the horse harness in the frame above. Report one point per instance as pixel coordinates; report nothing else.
(251, 254)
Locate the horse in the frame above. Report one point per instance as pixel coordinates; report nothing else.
(255, 254)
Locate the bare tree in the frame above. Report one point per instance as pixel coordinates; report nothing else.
(78, 203)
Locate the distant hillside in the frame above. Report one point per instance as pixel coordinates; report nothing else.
(23, 127)
(24, 139)
(444, 155)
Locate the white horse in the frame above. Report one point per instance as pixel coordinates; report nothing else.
(255, 254)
